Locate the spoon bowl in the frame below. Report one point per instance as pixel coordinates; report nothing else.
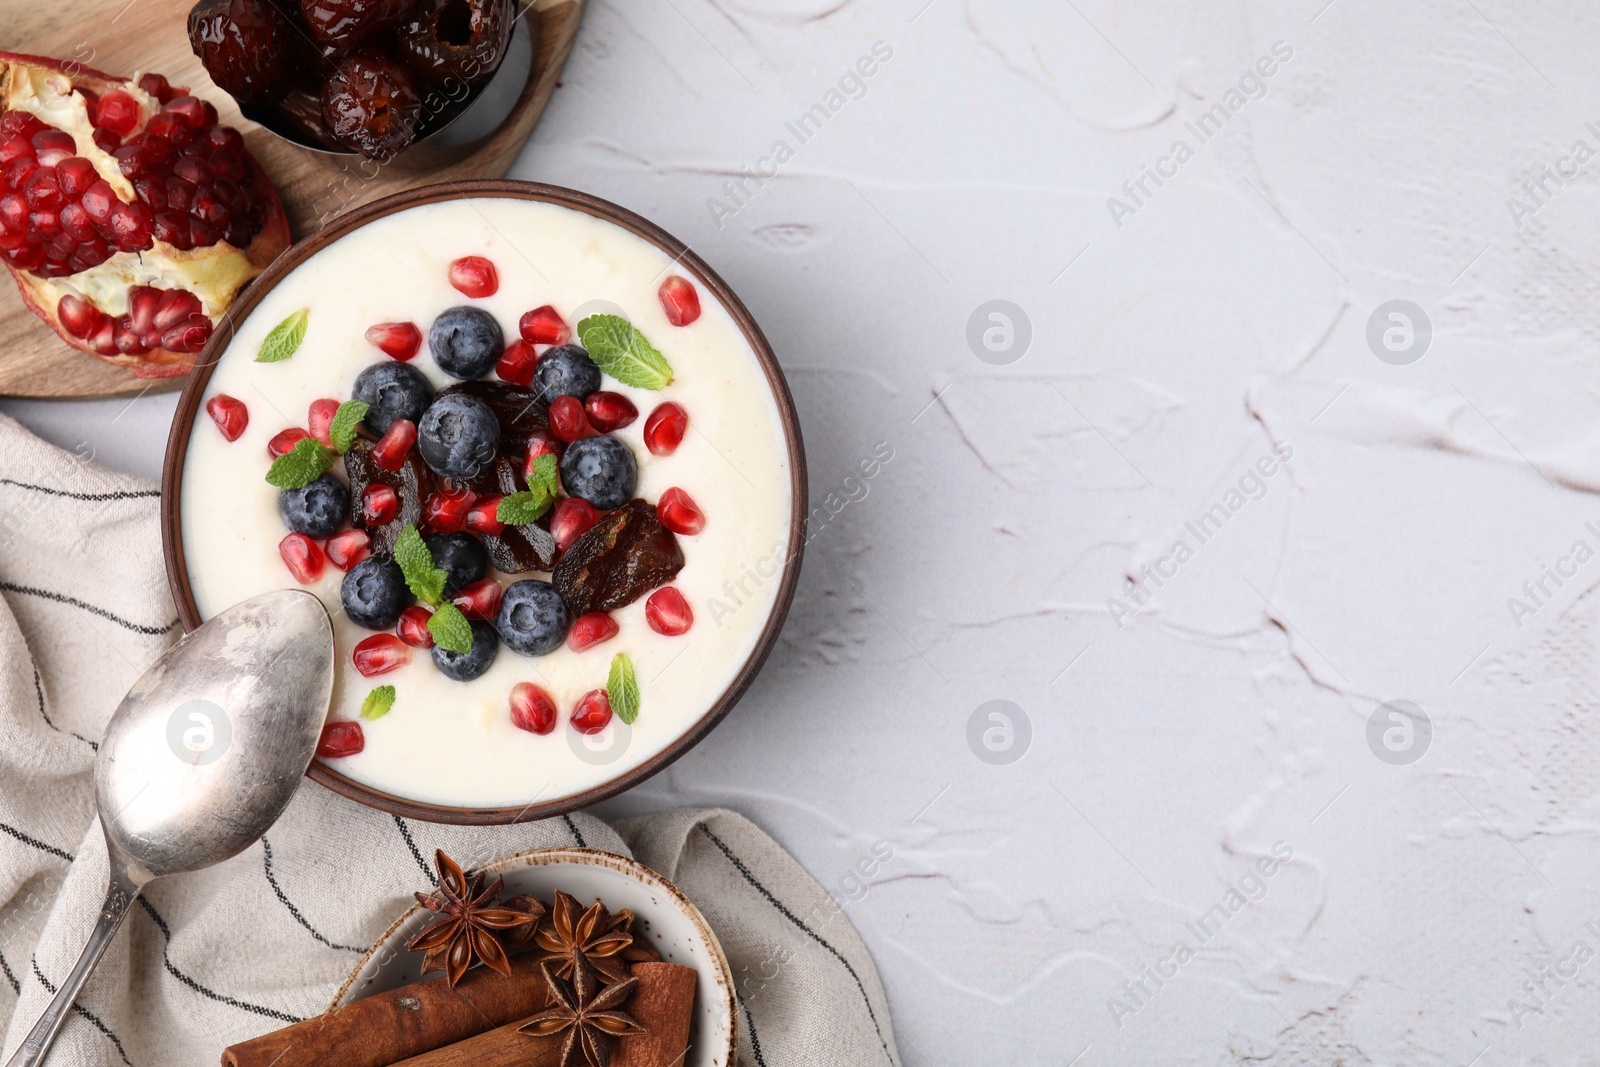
(201, 757)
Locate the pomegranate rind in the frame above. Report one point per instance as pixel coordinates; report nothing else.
(216, 273)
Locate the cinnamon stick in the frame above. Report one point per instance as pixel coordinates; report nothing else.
(388, 1027)
(663, 1002)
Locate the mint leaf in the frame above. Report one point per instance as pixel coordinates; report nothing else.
(378, 702)
(416, 563)
(285, 338)
(342, 430)
(450, 629)
(303, 465)
(622, 689)
(622, 352)
(519, 509)
(543, 476)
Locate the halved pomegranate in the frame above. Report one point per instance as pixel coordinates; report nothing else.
(129, 217)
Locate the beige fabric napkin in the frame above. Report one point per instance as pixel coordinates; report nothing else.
(266, 938)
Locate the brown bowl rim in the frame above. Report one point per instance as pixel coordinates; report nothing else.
(686, 260)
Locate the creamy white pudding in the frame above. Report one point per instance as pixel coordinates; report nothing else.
(453, 743)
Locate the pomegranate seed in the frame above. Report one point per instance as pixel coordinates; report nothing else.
(43, 192)
(18, 171)
(143, 300)
(391, 450)
(14, 212)
(667, 612)
(664, 429)
(474, 276)
(532, 709)
(347, 549)
(189, 337)
(21, 122)
(482, 518)
(303, 558)
(116, 112)
(75, 223)
(380, 654)
(78, 318)
(591, 630)
(680, 514)
(75, 175)
(571, 520)
(15, 147)
(98, 200)
(517, 363)
(157, 86)
(379, 504)
(320, 418)
(284, 441)
(177, 305)
(609, 411)
(104, 337)
(446, 510)
(191, 109)
(679, 300)
(413, 627)
(341, 739)
(132, 226)
(541, 443)
(593, 712)
(544, 326)
(480, 600)
(567, 420)
(400, 340)
(230, 415)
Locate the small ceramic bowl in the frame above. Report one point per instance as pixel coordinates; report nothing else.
(673, 925)
(447, 132)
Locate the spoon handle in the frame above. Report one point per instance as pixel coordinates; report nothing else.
(119, 898)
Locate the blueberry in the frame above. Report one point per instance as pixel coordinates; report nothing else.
(374, 593)
(465, 666)
(457, 435)
(466, 342)
(316, 510)
(461, 556)
(533, 618)
(565, 371)
(395, 391)
(600, 470)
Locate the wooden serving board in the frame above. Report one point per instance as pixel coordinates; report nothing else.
(124, 36)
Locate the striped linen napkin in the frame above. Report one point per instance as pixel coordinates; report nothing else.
(266, 938)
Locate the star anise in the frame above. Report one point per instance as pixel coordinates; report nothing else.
(586, 1012)
(567, 932)
(469, 919)
(533, 909)
(639, 950)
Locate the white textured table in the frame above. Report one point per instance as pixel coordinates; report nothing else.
(1430, 879)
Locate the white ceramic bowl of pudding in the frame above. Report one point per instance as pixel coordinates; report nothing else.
(665, 917)
(448, 751)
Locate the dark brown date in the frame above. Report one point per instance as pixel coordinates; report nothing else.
(621, 558)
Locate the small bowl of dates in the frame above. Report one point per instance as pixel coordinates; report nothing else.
(362, 77)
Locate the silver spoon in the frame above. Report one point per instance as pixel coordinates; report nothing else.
(201, 757)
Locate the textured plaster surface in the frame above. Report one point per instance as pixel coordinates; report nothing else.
(1182, 744)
